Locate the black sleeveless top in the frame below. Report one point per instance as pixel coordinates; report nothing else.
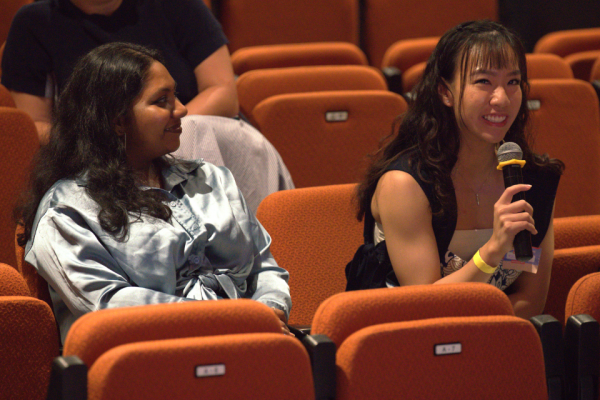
(371, 266)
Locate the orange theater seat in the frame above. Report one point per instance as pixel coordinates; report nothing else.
(421, 360)
(408, 52)
(386, 22)
(267, 366)
(547, 66)
(584, 297)
(28, 339)
(563, 43)
(8, 9)
(315, 234)
(576, 231)
(216, 349)
(582, 63)
(387, 341)
(296, 55)
(341, 315)
(582, 341)
(324, 137)
(539, 66)
(38, 287)
(11, 282)
(576, 254)
(569, 265)
(262, 22)
(6, 99)
(19, 142)
(255, 86)
(566, 124)
(412, 76)
(95, 333)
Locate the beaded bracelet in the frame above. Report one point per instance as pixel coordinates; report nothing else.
(488, 269)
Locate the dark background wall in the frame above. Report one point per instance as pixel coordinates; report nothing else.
(534, 18)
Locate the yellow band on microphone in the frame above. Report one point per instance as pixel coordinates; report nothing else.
(510, 162)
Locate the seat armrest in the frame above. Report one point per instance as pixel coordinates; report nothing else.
(68, 379)
(393, 77)
(582, 336)
(550, 331)
(300, 330)
(321, 350)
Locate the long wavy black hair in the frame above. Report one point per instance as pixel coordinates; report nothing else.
(428, 132)
(83, 141)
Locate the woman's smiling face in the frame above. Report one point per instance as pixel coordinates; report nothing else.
(155, 123)
(491, 100)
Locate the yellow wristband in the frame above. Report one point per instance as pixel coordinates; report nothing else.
(488, 269)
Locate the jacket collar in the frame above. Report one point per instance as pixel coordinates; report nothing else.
(178, 172)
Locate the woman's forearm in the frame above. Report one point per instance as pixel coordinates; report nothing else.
(215, 100)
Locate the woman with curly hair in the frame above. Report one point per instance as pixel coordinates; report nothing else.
(435, 206)
(111, 221)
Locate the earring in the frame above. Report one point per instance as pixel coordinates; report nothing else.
(497, 145)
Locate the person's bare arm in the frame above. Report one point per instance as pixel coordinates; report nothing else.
(403, 209)
(217, 93)
(39, 109)
(530, 290)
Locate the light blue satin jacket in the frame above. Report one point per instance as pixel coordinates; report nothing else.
(212, 247)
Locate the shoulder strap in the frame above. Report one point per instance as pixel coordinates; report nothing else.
(369, 227)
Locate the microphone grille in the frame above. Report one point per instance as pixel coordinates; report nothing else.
(509, 151)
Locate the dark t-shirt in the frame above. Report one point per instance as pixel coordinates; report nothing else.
(47, 38)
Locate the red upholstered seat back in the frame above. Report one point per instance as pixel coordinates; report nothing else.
(318, 151)
(267, 366)
(258, 85)
(563, 43)
(19, 142)
(296, 55)
(260, 22)
(343, 314)
(386, 22)
(95, 333)
(315, 234)
(398, 360)
(567, 126)
(28, 339)
(584, 297)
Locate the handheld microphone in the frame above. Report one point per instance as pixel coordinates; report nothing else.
(510, 162)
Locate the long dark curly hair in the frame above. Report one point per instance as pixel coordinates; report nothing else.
(428, 132)
(83, 141)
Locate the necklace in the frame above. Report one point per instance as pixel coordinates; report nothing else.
(471, 187)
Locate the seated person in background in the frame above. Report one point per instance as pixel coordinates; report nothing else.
(48, 37)
(119, 223)
(433, 201)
